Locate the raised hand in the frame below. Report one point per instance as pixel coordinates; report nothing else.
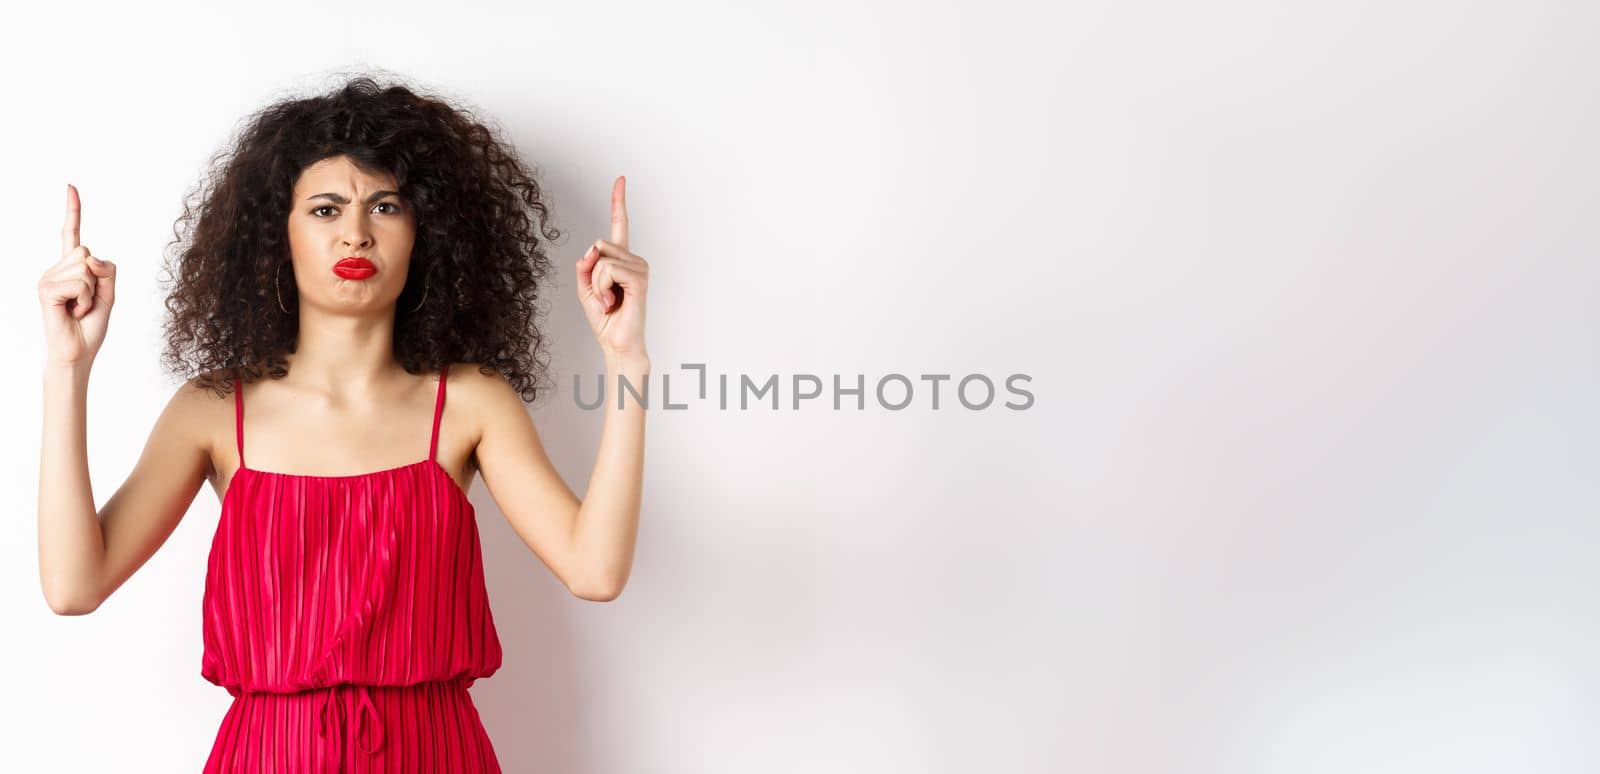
(76, 295)
(612, 284)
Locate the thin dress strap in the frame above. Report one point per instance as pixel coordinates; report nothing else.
(438, 412)
(238, 417)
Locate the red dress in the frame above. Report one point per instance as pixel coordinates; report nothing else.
(347, 615)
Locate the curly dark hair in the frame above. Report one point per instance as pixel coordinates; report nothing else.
(481, 227)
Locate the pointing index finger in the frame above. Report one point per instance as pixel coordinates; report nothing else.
(69, 230)
(619, 212)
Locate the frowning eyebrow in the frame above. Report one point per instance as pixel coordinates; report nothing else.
(339, 199)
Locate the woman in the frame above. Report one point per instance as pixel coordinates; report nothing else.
(344, 606)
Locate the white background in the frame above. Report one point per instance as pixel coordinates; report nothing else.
(1307, 293)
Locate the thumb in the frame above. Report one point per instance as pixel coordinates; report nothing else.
(106, 271)
(585, 269)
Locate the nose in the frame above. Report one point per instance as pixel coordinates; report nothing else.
(356, 233)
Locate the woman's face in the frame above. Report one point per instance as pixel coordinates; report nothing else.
(350, 237)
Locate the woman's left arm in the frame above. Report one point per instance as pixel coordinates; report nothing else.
(588, 544)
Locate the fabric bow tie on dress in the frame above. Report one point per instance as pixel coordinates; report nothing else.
(332, 724)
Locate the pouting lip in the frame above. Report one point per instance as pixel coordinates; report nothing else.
(354, 268)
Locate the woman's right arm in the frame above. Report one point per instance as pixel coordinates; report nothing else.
(85, 555)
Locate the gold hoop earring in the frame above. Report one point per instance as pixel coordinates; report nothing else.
(425, 285)
(276, 277)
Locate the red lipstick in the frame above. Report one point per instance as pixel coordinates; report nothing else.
(354, 268)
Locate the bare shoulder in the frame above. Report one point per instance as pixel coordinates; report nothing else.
(195, 408)
(485, 398)
(200, 415)
(487, 395)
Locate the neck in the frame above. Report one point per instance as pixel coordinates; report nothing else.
(337, 353)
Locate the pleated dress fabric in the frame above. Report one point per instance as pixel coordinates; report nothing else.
(347, 616)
